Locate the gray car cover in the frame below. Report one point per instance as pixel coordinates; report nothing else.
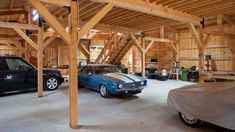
(210, 102)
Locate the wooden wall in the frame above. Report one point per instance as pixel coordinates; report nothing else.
(5, 50)
(163, 53)
(219, 46)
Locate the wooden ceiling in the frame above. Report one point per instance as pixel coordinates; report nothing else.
(10, 10)
(122, 17)
(202, 8)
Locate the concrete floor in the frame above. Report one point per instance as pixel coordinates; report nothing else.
(145, 112)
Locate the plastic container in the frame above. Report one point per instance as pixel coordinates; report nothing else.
(184, 74)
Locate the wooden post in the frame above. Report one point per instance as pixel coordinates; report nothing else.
(162, 32)
(40, 62)
(133, 60)
(73, 82)
(199, 41)
(143, 57)
(177, 46)
(26, 45)
(115, 40)
(201, 66)
(220, 22)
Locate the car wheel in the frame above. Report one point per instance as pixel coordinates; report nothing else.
(104, 92)
(190, 120)
(51, 83)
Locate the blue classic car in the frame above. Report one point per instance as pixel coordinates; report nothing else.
(108, 80)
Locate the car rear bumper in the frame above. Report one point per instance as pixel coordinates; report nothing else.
(62, 80)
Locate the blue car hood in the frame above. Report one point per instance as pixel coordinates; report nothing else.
(122, 78)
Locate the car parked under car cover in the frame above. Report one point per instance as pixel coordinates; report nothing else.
(210, 102)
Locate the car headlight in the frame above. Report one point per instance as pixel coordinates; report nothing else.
(120, 86)
(142, 83)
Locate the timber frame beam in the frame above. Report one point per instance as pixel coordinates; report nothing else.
(43, 11)
(160, 40)
(202, 43)
(73, 50)
(90, 24)
(104, 49)
(17, 25)
(50, 40)
(58, 2)
(141, 46)
(137, 43)
(26, 38)
(95, 19)
(153, 9)
(84, 51)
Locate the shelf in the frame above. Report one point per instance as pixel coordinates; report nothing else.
(151, 62)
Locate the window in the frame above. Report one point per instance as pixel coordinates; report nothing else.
(17, 65)
(3, 66)
(87, 69)
(106, 69)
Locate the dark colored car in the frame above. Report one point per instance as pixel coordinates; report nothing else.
(17, 74)
(108, 80)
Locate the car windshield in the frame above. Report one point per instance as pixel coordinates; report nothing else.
(105, 69)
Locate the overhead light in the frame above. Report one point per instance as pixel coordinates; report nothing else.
(119, 34)
(34, 11)
(67, 29)
(35, 17)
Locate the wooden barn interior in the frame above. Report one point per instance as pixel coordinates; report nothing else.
(134, 34)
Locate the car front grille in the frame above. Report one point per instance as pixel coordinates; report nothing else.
(132, 85)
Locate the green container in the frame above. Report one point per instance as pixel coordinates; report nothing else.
(124, 70)
(184, 75)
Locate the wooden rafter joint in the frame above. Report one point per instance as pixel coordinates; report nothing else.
(196, 36)
(137, 43)
(50, 40)
(95, 19)
(149, 46)
(26, 38)
(84, 51)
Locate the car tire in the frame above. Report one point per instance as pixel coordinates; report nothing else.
(51, 83)
(104, 92)
(80, 86)
(189, 120)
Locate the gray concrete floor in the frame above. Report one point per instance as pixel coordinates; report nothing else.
(145, 112)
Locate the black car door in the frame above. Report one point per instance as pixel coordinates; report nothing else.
(31, 73)
(15, 75)
(3, 76)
